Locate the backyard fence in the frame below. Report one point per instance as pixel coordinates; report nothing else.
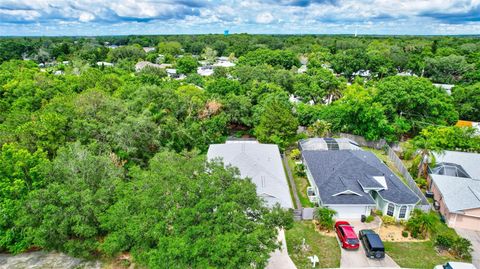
(424, 205)
(361, 141)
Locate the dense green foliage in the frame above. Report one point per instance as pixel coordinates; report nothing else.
(100, 159)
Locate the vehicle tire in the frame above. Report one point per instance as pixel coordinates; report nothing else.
(378, 255)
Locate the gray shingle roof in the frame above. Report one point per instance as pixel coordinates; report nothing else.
(458, 193)
(469, 161)
(260, 162)
(339, 171)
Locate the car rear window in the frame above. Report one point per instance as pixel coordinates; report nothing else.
(352, 241)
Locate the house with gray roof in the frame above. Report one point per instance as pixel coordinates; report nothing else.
(355, 182)
(455, 183)
(259, 162)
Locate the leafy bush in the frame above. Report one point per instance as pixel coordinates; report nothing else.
(421, 183)
(324, 216)
(444, 241)
(300, 170)
(387, 220)
(456, 245)
(295, 154)
(462, 248)
(405, 234)
(422, 224)
(369, 219)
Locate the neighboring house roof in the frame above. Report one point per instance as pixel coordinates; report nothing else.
(472, 124)
(140, 65)
(458, 193)
(260, 162)
(205, 70)
(104, 64)
(468, 161)
(302, 69)
(148, 49)
(351, 173)
(328, 144)
(446, 87)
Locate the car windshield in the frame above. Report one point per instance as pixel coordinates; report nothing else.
(352, 241)
(447, 266)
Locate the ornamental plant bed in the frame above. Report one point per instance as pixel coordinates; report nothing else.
(394, 233)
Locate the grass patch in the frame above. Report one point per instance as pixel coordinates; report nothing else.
(422, 254)
(384, 158)
(325, 247)
(301, 183)
(415, 254)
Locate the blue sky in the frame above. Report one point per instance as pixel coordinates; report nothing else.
(102, 17)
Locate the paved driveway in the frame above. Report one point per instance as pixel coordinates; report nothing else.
(474, 237)
(358, 258)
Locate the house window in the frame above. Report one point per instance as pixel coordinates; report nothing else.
(403, 212)
(390, 210)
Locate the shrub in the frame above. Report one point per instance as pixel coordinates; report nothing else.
(421, 183)
(422, 223)
(370, 219)
(405, 234)
(295, 154)
(300, 170)
(456, 245)
(461, 248)
(387, 220)
(324, 216)
(444, 241)
(377, 212)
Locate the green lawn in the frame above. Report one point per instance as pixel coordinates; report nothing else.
(301, 183)
(384, 157)
(420, 254)
(325, 247)
(415, 254)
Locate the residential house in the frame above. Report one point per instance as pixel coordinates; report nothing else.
(148, 49)
(471, 124)
(205, 71)
(140, 65)
(302, 69)
(172, 73)
(223, 62)
(259, 162)
(455, 183)
(447, 87)
(355, 182)
(106, 64)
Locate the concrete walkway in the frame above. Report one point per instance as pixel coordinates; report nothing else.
(474, 237)
(280, 259)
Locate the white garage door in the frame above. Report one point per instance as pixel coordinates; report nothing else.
(349, 212)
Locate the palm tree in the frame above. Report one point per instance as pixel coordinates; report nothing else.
(424, 155)
(426, 222)
(423, 223)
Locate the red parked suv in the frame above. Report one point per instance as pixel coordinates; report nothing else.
(347, 235)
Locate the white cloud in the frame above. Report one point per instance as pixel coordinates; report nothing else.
(255, 16)
(86, 17)
(264, 18)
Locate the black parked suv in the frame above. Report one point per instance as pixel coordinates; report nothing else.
(372, 243)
